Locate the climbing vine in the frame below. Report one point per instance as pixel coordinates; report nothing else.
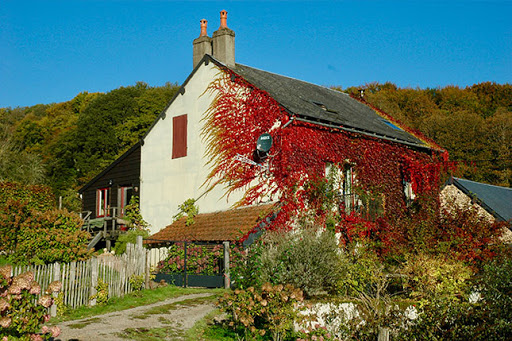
(301, 150)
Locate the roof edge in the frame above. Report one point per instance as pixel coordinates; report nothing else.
(109, 167)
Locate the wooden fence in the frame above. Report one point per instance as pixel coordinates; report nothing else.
(80, 279)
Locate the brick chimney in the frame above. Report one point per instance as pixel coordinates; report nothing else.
(203, 44)
(223, 41)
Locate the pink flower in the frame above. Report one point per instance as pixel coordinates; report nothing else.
(45, 301)
(5, 271)
(46, 318)
(4, 305)
(5, 322)
(54, 286)
(36, 337)
(44, 329)
(55, 331)
(35, 288)
(14, 289)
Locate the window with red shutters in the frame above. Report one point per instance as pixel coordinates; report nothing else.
(179, 136)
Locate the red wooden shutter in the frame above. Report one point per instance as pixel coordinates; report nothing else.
(179, 136)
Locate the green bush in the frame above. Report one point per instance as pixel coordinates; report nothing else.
(35, 196)
(307, 258)
(21, 314)
(490, 318)
(363, 272)
(44, 237)
(254, 312)
(434, 276)
(129, 237)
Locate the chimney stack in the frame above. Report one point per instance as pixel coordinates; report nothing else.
(203, 44)
(224, 42)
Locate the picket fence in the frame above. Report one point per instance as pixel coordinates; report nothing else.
(80, 279)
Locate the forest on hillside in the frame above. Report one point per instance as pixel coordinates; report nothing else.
(64, 145)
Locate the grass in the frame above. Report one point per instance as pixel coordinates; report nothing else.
(132, 300)
(163, 309)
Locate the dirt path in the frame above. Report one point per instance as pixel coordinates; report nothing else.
(176, 315)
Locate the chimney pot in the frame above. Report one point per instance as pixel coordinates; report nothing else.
(223, 19)
(204, 25)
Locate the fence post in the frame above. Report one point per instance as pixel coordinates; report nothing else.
(227, 279)
(148, 269)
(139, 241)
(185, 266)
(94, 280)
(383, 334)
(56, 277)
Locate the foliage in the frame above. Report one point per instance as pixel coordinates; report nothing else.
(474, 123)
(294, 173)
(201, 259)
(132, 214)
(272, 309)
(307, 258)
(101, 295)
(129, 236)
(188, 208)
(21, 313)
(35, 196)
(34, 237)
(363, 273)
(137, 282)
(435, 276)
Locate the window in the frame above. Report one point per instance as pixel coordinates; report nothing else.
(102, 202)
(179, 136)
(343, 180)
(124, 196)
(409, 193)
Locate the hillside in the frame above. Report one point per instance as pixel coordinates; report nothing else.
(66, 144)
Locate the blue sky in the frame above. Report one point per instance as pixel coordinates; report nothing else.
(52, 50)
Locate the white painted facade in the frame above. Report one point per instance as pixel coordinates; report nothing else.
(165, 182)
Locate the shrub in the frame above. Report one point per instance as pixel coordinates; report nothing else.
(21, 314)
(101, 295)
(454, 319)
(48, 237)
(363, 272)
(308, 258)
(272, 308)
(435, 276)
(36, 197)
(129, 237)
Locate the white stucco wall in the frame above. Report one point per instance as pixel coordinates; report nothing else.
(166, 182)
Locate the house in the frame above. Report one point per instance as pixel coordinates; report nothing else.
(237, 134)
(493, 202)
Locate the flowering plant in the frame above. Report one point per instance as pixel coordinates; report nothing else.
(21, 315)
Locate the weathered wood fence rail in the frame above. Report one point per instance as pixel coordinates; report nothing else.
(80, 279)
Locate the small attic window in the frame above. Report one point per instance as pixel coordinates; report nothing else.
(388, 123)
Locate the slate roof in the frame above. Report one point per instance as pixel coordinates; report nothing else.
(227, 225)
(496, 200)
(321, 104)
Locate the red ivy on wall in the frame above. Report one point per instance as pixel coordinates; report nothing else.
(241, 112)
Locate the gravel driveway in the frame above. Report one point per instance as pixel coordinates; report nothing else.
(176, 315)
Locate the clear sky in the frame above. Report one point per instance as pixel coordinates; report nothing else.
(52, 50)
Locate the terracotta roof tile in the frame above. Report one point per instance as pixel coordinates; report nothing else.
(218, 226)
